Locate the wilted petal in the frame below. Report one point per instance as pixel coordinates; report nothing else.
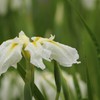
(63, 54)
(10, 54)
(37, 53)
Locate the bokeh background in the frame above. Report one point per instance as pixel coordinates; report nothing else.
(73, 22)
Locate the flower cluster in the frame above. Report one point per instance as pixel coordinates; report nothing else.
(36, 50)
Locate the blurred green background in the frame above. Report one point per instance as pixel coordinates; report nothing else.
(62, 18)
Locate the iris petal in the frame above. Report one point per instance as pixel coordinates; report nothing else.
(11, 55)
(63, 54)
(37, 53)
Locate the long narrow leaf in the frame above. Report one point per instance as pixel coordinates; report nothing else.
(21, 71)
(90, 95)
(79, 96)
(57, 78)
(27, 92)
(87, 28)
(65, 88)
(36, 92)
(96, 44)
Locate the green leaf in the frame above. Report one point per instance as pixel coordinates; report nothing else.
(27, 92)
(57, 76)
(89, 87)
(43, 15)
(79, 96)
(65, 89)
(96, 44)
(36, 92)
(87, 28)
(91, 35)
(21, 71)
(29, 87)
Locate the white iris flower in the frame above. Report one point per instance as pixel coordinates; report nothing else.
(38, 49)
(51, 50)
(10, 52)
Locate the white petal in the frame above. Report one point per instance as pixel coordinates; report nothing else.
(9, 56)
(4, 45)
(52, 37)
(46, 54)
(33, 38)
(15, 65)
(37, 62)
(23, 38)
(63, 54)
(35, 57)
(37, 53)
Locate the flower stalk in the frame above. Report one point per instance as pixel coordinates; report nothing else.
(29, 72)
(29, 78)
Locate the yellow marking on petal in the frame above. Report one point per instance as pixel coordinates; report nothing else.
(14, 45)
(43, 40)
(36, 39)
(53, 42)
(34, 43)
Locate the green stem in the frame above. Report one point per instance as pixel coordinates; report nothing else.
(57, 96)
(29, 78)
(27, 92)
(29, 72)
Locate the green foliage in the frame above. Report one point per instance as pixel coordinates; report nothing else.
(36, 92)
(27, 92)
(65, 89)
(57, 78)
(74, 24)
